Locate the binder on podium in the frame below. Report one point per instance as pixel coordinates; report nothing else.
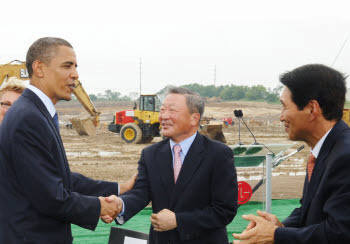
(124, 236)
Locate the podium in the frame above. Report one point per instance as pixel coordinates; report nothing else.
(124, 236)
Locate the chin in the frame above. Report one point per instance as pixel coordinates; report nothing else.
(166, 134)
(67, 98)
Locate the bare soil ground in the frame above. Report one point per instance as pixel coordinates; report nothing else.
(106, 157)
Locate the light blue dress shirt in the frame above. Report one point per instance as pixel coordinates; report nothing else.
(185, 146)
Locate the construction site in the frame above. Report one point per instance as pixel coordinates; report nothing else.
(104, 140)
(107, 156)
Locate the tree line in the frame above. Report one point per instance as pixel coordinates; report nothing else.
(226, 93)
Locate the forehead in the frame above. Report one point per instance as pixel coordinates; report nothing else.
(9, 96)
(286, 96)
(174, 100)
(63, 54)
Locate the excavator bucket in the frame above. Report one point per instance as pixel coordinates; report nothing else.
(84, 127)
(213, 131)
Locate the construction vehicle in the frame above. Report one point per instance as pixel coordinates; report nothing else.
(138, 125)
(142, 125)
(15, 68)
(346, 116)
(85, 126)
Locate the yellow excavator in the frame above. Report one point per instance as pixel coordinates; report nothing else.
(86, 126)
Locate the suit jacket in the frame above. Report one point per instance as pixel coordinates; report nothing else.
(204, 197)
(40, 197)
(324, 215)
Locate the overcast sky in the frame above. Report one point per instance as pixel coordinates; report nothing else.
(181, 41)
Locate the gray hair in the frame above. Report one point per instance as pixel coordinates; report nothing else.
(43, 50)
(194, 101)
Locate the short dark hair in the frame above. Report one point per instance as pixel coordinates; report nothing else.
(43, 49)
(194, 101)
(317, 82)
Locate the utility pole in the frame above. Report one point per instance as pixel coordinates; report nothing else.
(140, 71)
(214, 74)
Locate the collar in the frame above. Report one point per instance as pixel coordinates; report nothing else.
(185, 144)
(316, 150)
(44, 98)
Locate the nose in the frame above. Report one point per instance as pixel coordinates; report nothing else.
(282, 116)
(163, 115)
(74, 75)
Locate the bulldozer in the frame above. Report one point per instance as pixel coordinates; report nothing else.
(85, 126)
(142, 125)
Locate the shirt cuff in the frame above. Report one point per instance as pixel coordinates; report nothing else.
(120, 218)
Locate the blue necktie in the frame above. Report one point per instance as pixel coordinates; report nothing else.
(55, 120)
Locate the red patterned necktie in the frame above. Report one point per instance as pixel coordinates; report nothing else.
(310, 165)
(177, 161)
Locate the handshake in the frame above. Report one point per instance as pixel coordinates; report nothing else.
(110, 208)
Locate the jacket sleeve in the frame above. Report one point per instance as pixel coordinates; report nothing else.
(293, 220)
(335, 228)
(137, 198)
(90, 187)
(223, 206)
(39, 174)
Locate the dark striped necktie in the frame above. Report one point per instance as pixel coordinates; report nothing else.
(55, 120)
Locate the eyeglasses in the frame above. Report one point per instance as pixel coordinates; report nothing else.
(5, 104)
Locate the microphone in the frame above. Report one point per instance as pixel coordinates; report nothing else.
(252, 150)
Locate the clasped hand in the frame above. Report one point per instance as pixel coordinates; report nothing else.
(261, 229)
(110, 207)
(164, 220)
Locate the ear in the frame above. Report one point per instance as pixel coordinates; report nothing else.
(314, 109)
(195, 117)
(38, 68)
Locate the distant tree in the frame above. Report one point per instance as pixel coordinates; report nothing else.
(239, 92)
(233, 92)
(257, 92)
(93, 97)
(226, 93)
(112, 96)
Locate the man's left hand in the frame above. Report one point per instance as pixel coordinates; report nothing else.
(164, 220)
(263, 232)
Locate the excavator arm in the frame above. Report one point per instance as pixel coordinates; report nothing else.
(15, 68)
(85, 100)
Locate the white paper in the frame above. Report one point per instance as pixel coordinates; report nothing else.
(131, 240)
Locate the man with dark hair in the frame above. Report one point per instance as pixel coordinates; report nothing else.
(313, 100)
(40, 196)
(190, 179)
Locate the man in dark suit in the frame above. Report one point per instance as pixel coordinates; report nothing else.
(40, 196)
(313, 100)
(190, 179)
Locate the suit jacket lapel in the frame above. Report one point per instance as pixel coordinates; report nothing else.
(39, 104)
(191, 163)
(164, 162)
(320, 166)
